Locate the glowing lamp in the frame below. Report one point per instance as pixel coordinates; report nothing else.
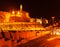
(18, 12)
(13, 12)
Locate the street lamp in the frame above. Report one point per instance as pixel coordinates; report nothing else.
(13, 13)
(53, 19)
(52, 24)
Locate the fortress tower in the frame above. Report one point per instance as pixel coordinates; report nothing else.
(20, 16)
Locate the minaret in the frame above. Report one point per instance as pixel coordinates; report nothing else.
(20, 7)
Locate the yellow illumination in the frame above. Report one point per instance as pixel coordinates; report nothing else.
(13, 12)
(46, 21)
(50, 39)
(53, 18)
(27, 14)
(20, 7)
(54, 33)
(58, 33)
(18, 12)
(39, 20)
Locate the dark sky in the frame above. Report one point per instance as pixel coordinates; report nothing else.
(36, 8)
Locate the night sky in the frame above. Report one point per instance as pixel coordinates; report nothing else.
(36, 8)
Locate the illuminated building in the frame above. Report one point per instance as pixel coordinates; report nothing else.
(17, 26)
(18, 18)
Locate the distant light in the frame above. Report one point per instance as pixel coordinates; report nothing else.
(52, 38)
(39, 20)
(53, 17)
(27, 14)
(46, 21)
(18, 12)
(57, 33)
(13, 12)
(20, 7)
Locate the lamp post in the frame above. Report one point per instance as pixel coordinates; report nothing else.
(52, 24)
(53, 19)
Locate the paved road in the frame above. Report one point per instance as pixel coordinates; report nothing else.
(42, 42)
(39, 42)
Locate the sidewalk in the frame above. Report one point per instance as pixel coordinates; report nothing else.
(35, 37)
